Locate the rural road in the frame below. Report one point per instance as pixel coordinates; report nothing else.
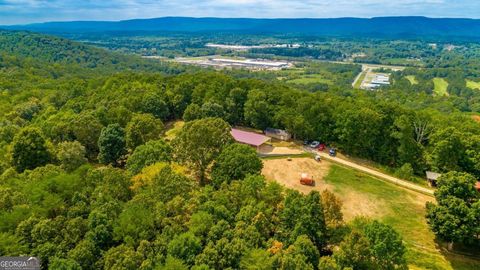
(357, 78)
(391, 179)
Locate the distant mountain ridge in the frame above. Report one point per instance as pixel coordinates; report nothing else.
(392, 27)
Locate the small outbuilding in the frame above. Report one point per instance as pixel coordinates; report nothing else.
(432, 178)
(477, 186)
(279, 134)
(249, 138)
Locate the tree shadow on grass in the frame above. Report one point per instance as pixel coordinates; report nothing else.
(460, 257)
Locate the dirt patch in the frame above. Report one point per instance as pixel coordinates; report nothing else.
(288, 173)
(357, 204)
(272, 150)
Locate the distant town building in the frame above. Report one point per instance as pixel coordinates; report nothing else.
(250, 63)
(253, 64)
(279, 134)
(380, 79)
(246, 47)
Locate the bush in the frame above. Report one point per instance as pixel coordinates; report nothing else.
(405, 172)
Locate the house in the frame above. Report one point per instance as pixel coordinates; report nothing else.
(249, 138)
(432, 178)
(278, 134)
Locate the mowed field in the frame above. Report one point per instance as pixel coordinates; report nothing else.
(364, 195)
(441, 86)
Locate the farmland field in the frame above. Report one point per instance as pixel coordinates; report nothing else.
(473, 84)
(365, 195)
(441, 86)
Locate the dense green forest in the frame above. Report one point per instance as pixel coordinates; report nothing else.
(88, 181)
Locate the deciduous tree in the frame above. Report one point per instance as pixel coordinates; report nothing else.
(200, 142)
(235, 162)
(71, 155)
(29, 150)
(141, 129)
(111, 144)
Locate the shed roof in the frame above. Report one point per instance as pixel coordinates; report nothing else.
(432, 175)
(249, 138)
(277, 131)
(477, 186)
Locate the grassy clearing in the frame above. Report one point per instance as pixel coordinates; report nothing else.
(402, 209)
(411, 79)
(304, 155)
(441, 86)
(172, 129)
(473, 84)
(310, 79)
(403, 62)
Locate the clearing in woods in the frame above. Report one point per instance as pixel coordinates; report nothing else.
(366, 195)
(440, 87)
(411, 79)
(172, 129)
(473, 84)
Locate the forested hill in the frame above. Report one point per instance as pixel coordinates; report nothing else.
(389, 27)
(54, 50)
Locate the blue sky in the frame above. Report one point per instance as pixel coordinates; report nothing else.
(27, 11)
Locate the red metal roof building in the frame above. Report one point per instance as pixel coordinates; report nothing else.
(250, 138)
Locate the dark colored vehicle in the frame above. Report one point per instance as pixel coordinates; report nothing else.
(332, 152)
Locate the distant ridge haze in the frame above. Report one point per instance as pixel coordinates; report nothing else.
(393, 27)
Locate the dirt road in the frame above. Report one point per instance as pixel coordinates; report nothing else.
(394, 180)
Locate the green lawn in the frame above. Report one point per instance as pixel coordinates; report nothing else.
(441, 86)
(404, 210)
(473, 85)
(412, 79)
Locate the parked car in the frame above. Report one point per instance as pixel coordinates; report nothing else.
(306, 142)
(333, 152)
(321, 147)
(314, 144)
